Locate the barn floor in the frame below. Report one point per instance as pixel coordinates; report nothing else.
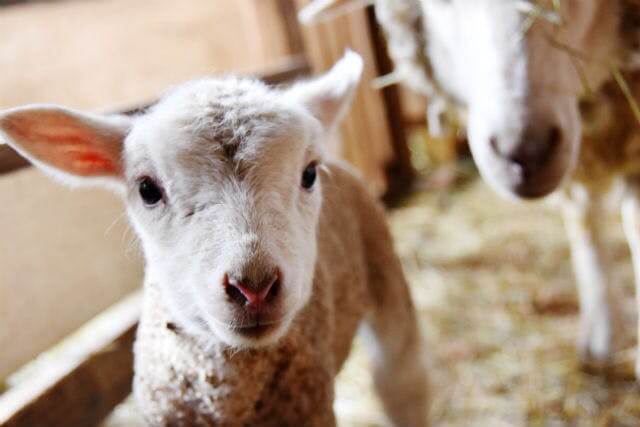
(493, 283)
(494, 287)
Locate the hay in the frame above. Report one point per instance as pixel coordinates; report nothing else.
(495, 290)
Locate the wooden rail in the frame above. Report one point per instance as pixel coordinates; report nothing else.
(80, 383)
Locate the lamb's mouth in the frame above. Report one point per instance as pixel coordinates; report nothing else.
(257, 329)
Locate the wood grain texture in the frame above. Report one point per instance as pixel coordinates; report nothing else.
(400, 172)
(81, 388)
(366, 133)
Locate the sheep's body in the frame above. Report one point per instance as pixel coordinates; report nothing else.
(180, 381)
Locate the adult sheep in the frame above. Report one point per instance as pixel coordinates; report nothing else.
(544, 92)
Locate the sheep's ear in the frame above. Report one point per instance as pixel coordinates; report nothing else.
(79, 148)
(328, 96)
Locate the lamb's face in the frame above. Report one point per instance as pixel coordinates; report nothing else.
(222, 190)
(222, 185)
(520, 89)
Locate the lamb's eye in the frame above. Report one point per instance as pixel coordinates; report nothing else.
(309, 175)
(149, 191)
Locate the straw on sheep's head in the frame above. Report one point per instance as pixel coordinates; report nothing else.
(516, 68)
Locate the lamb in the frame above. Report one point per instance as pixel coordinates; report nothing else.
(537, 84)
(263, 255)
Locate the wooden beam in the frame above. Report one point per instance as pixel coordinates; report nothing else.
(400, 172)
(287, 10)
(367, 133)
(14, 2)
(80, 383)
(283, 71)
(268, 34)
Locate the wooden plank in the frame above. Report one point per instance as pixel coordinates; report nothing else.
(366, 134)
(268, 33)
(287, 10)
(400, 171)
(286, 70)
(80, 383)
(14, 2)
(280, 72)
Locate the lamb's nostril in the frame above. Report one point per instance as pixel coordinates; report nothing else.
(274, 288)
(250, 295)
(233, 291)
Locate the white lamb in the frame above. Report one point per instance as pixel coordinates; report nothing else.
(262, 255)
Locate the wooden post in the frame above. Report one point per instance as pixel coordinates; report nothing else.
(369, 130)
(268, 30)
(400, 172)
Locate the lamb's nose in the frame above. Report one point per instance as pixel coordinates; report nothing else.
(252, 295)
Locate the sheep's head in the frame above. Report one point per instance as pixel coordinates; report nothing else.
(512, 65)
(223, 185)
(517, 75)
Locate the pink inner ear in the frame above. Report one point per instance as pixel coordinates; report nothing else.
(66, 143)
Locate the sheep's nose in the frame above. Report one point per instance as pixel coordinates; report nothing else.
(252, 295)
(534, 150)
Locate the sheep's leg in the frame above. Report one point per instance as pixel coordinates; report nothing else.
(598, 311)
(631, 223)
(400, 374)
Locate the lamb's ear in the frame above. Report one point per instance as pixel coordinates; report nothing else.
(79, 148)
(328, 96)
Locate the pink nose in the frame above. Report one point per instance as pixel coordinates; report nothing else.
(250, 295)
